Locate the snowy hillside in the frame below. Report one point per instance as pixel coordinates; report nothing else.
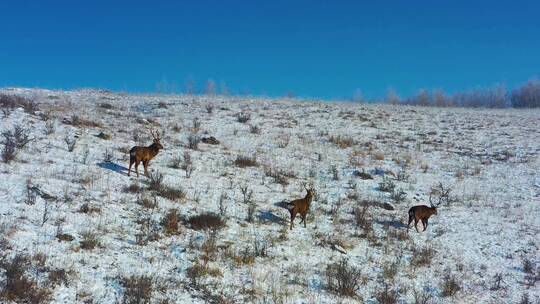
(74, 228)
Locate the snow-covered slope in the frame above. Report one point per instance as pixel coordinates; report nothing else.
(55, 204)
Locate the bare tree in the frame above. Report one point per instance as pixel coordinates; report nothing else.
(211, 87)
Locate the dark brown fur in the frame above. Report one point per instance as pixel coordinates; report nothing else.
(140, 154)
(421, 213)
(301, 206)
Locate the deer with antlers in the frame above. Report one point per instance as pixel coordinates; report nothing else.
(140, 154)
(423, 213)
(301, 206)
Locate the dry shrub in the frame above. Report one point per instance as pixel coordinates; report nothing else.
(16, 286)
(450, 285)
(90, 240)
(342, 142)
(87, 209)
(11, 102)
(343, 279)
(171, 193)
(386, 295)
(280, 176)
(206, 221)
(133, 188)
(422, 256)
(246, 161)
(170, 222)
(362, 218)
(243, 117)
(137, 289)
(82, 122)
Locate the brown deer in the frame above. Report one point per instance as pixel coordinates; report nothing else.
(301, 206)
(139, 154)
(420, 213)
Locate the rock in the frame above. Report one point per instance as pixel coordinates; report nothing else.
(65, 237)
(363, 175)
(210, 140)
(104, 136)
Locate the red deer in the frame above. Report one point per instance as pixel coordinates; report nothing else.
(301, 206)
(139, 154)
(421, 213)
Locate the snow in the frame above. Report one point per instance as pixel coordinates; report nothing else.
(488, 157)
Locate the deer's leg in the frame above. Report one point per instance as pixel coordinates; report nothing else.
(145, 164)
(304, 219)
(411, 218)
(425, 222)
(293, 215)
(130, 164)
(415, 224)
(137, 168)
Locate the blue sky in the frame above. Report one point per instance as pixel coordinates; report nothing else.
(325, 49)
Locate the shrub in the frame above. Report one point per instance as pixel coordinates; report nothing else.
(398, 196)
(450, 285)
(362, 219)
(170, 193)
(387, 185)
(206, 221)
(155, 181)
(16, 286)
(90, 240)
(11, 102)
(108, 155)
(133, 188)
(243, 117)
(14, 141)
(342, 142)
(343, 278)
(422, 256)
(254, 129)
(386, 295)
(170, 222)
(193, 141)
(137, 289)
(70, 142)
(246, 161)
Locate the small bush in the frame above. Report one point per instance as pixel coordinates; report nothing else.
(245, 161)
(87, 209)
(14, 141)
(387, 185)
(243, 117)
(170, 222)
(137, 289)
(170, 193)
(450, 285)
(70, 142)
(133, 188)
(362, 218)
(193, 141)
(254, 129)
(398, 196)
(422, 256)
(16, 286)
(206, 221)
(12, 102)
(386, 295)
(343, 279)
(155, 181)
(108, 155)
(90, 240)
(342, 142)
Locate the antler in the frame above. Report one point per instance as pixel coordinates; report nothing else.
(155, 134)
(304, 185)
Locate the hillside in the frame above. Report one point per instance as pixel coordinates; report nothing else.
(74, 228)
